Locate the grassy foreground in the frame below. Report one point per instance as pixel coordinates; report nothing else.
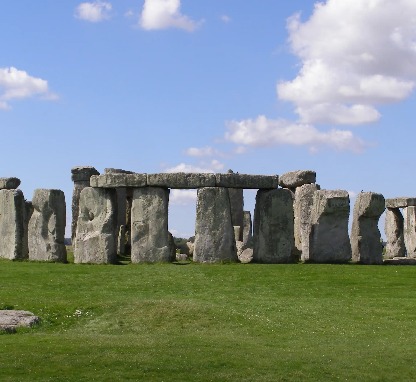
(237, 322)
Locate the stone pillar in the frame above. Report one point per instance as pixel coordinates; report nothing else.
(46, 228)
(27, 215)
(149, 226)
(365, 236)
(237, 208)
(12, 232)
(214, 232)
(95, 239)
(247, 230)
(302, 208)
(273, 227)
(329, 241)
(81, 178)
(393, 229)
(410, 231)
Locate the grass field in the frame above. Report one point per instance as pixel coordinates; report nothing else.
(236, 322)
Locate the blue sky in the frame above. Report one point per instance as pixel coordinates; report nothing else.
(168, 85)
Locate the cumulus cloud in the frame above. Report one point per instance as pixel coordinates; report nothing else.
(18, 84)
(182, 197)
(94, 12)
(263, 132)
(211, 167)
(354, 57)
(163, 14)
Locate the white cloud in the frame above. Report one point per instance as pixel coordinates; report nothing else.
(263, 132)
(163, 14)
(93, 11)
(354, 57)
(182, 197)
(18, 84)
(224, 18)
(206, 151)
(211, 167)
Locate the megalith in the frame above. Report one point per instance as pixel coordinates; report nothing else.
(297, 178)
(95, 239)
(329, 240)
(410, 230)
(150, 241)
(273, 227)
(214, 232)
(393, 229)
(365, 236)
(12, 231)
(247, 230)
(46, 227)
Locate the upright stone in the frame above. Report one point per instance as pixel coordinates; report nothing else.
(273, 227)
(410, 231)
(149, 226)
(46, 228)
(365, 236)
(214, 232)
(27, 215)
(81, 178)
(329, 241)
(302, 220)
(237, 207)
(12, 215)
(247, 230)
(393, 229)
(95, 239)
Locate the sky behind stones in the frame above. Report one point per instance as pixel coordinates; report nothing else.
(179, 85)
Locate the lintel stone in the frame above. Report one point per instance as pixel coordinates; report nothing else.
(114, 180)
(83, 173)
(297, 178)
(181, 180)
(400, 202)
(9, 183)
(235, 180)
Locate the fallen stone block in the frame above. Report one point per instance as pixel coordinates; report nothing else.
(400, 261)
(10, 320)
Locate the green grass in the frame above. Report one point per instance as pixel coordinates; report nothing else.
(167, 322)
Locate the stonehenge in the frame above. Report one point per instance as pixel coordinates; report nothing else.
(124, 213)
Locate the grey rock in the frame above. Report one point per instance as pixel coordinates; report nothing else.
(246, 256)
(240, 247)
(365, 236)
(409, 232)
(235, 180)
(9, 183)
(182, 257)
(297, 178)
(237, 208)
(46, 228)
(116, 171)
(95, 240)
(400, 261)
(181, 180)
(10, 320)
(191, 246)
(329, 241)
(149, 226)
(121, 240)
(237, 232)
(247, 229)
(12, 224)
(114, 180)
(26, 218)
(393, 229)
(400, 202)
(83, 173)
(273, 227)
(214, 239)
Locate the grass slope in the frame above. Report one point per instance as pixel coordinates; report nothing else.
(235, 322)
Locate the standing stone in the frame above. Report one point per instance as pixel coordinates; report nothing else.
(393, 229)
(273, 227)
(365, 236)
(410, 231)
(247, 230)
(329, 241)
(12, 213)
(27, 215)
(302, 220)
(237, 207)
(214, 233)
(150, 241)
(95, 239)
(81, 178)
(46, 228)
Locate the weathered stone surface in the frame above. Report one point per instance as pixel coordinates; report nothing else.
(298, 178)
(182, 257)
(302, 208)
(400, 261)
(46, 228)
(121, 240)
(12, 218)
(114, 180)
(214, 239)
(235, 180)
(246, 256)
(393, 228)
(149, 226)
(409, 231)
(365, 236)
(10, 320)
(329, 241)
(95, 239)
(9, 183)
(273, 227)
(181, 180)
(400, 202)
(237, 209)
(83, 173)
(247, 229)
(237, 232)
(26, 218)
(110, 170)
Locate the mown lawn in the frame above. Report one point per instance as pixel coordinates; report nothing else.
(236, 322)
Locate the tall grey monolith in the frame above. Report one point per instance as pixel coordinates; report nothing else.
(46, 228)
(409, 231)
(365, 236)
(214, 232)
(329, 241)
(95, 239)
(12, 216)
(149, 226)
(80, 175)
(247, 230)
(273, 227)
(393, 228)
